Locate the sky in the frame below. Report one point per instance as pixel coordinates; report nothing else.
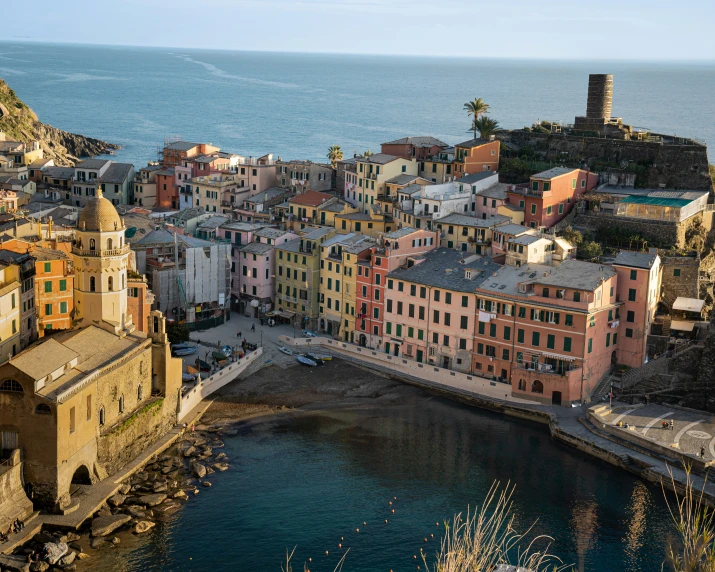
(543, 29)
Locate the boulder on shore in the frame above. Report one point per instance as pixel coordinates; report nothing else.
(117, 500)
(67, 559)
(13, 563)
(143, 526)
(153, 500)
(220, 466)
(104, 525)
(198, 470)
(55, 551)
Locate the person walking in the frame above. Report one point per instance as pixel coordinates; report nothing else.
(253, 327)
(239, 334)
(702, 451)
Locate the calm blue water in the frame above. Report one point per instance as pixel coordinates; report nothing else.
(307, 480)
(297, 105)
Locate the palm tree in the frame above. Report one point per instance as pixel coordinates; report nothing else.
(335, 154)
(485, 125)
(367, 153)
(476, 108)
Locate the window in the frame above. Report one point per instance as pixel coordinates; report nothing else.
(676, 271)
(48, 266)
(48, 309)
(63, 285)
(101, 416)
(629, 332)
(577, 296)
(410, 332)
(43, 409)
(110, 283)
(388, 328)
(548, 210)
(465, 301)
(72, 420)
(481, 328)
(507, 333)
(436, 295)
(447, 319)
(634, 274)
(550, 341)
(631, 295)
(422, 313)
(91, 284)
(463, 321)
(615, 338)
(121, 404)
(399, 308)
(10, 386)
(448, 298)
(535, 339)
(492, 330)
(413, 290)
(608, 339)
(389, 305)
(89, 407)
(590, 345)
(48, 286)
(522, 312)
(561, 208)
(462, 344)
(445, 340)
(567, 344)
(592, 321)
(630, 316)
(520, 336)
(533, 209)
(63, 307)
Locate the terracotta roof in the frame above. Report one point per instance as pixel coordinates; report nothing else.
(310, 198)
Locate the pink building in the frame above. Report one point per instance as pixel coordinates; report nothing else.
(394, 249)
(488, 201)
(255, 265)
(639, 277)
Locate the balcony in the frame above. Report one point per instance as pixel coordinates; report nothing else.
(97, 253)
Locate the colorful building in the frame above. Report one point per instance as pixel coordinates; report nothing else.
(175, 153)
(476, 156)
(339, 258)
(419, 148)
(391, 252)
(468, 233)
(301, 176)
(297, 278)
(54, 290)
(551, 195)
(10, 295)
(373, 172)
(303, 209)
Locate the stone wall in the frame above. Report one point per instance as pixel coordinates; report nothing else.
(675, 166)
(13, 500)
(686, 284)
(661, 232)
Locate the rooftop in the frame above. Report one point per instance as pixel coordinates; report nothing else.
(256, 248)
(465, 220)
(497, 191)
(420, 141)
(267, 195)
(164, 236)
(379, 159)
(515, 229)
(213, 222)
(59, 172)
(474, 177)
(553, 173)
(445, 268)
(400, 232)
(310, 198)
(526, 239)
(577, 274)
(92, 164)
(268, 232)
(402, 179)
(635, 259)
(244, 226)
(471, 143)
(690, 195)
(181, 145)
(657, 201)
(117, 173)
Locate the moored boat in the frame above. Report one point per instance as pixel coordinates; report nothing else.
(321, 357)
(285, 350)
(184, 351)
(305, 361)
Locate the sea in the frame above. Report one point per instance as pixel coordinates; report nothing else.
(297, 105)
(307, 481)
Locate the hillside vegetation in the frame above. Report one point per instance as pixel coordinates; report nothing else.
(20, 123)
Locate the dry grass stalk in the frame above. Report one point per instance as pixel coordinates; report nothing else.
(486, 538)
(695, 526)
(288, 567)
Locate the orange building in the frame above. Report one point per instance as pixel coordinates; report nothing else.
(475, 156)
(174, 153)
(139, 301)
(54, 289)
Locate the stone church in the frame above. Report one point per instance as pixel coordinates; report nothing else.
(81, 403)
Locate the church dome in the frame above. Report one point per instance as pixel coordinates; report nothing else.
(99, 215)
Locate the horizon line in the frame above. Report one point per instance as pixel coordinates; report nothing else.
(373, 54)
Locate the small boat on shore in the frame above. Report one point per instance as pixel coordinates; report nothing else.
(182, 346)
(227, 351)
(202, 365)
(309, 334)
(184, 351)
(319, 357)
(285, 350)
(302, 360)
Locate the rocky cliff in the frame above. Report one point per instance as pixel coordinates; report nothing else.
(20, 123)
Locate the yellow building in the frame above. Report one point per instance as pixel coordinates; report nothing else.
(82, 403)
(326, 213)
(372, 224)
(298, 274)
(338, 277)
(9, 311)
(374, 172)
(468, 233)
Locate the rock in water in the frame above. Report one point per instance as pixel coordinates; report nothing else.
(206, 484)
(220, 466)
(180, 495)
(135, 511)
(143, 526)
(55, 551)
(153, 500)
(104, 525)
(67, 559)
(198, 470)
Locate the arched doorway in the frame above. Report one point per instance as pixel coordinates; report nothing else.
(81, 476)
(363, 340)
(537, 387)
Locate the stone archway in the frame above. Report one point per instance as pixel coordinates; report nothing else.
(82, 476)
(537, 386)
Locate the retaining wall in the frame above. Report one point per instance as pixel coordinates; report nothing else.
(206, 387)
(13, 500)
(448, 379)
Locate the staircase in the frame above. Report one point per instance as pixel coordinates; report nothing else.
(602, 389)
(666, 326)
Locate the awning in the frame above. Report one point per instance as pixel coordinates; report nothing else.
(682, 326)
(284, 314)
(688, 304)
(558, 356)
